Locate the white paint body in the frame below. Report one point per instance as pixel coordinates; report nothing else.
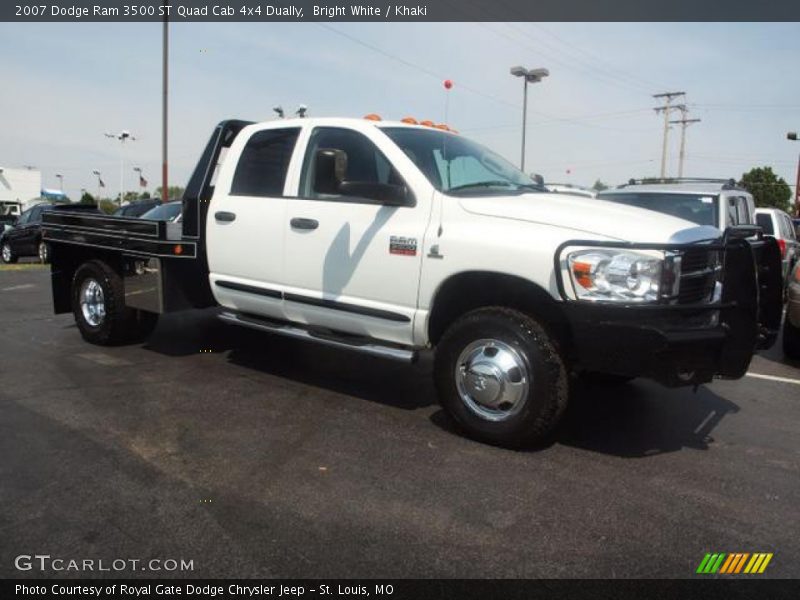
(346, 259)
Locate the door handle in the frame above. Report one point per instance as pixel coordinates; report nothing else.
(298, 223)
(224, 216)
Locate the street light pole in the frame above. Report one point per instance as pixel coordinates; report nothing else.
(60, 178)
(528, 76)
(122, 136)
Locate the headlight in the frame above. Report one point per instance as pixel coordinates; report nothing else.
(617, 275)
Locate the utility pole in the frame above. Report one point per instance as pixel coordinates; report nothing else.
(668, 106)
(684, 123)
(164, 106)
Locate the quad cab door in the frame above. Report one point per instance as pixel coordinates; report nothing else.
(246, 228)
(354, 235)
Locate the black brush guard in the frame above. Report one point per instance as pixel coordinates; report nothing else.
(684, 344)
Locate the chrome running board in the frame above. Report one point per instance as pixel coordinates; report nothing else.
(363, 345)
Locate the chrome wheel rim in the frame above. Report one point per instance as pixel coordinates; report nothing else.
(492, 379)
(42, 251)
(93, 304)
(6, 252)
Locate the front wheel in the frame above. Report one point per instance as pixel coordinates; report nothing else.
(7, 253)
(500, 376)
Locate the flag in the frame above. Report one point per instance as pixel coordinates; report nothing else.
(100, 181)
(142, 182)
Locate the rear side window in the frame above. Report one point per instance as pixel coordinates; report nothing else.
(262, 167)
(765, 222)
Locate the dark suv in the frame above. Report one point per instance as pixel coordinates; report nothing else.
(25, 237)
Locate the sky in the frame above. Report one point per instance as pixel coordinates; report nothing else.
(66, 84)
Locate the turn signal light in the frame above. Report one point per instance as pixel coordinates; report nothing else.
(177, 249)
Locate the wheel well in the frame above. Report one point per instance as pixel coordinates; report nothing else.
(468, 291)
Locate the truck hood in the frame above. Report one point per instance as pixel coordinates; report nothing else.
(591, 217)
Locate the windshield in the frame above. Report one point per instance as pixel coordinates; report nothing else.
(700, 209)
(458, 166)
(165, 212)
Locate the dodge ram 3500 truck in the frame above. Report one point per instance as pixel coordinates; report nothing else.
(390, 238)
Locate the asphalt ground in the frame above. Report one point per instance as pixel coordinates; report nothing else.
(257, 456)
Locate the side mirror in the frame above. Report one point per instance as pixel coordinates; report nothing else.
(385, 193)
(330, 166)
(537, 179)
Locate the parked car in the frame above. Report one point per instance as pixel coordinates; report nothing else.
(791, 323)
(25, 237)
(778, 224)
(718, 203)
(168, 212)
(137, 208)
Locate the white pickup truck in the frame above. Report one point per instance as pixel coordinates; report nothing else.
(392, 238)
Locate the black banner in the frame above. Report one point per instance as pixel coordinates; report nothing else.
(404, 589)
(399, 10)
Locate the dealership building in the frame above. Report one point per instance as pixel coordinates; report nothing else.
(19, 188)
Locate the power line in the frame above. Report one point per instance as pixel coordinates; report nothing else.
(419, 68)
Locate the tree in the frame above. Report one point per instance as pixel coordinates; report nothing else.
(769, 190)
(107, 205)
(175, 193)
(87, 198)
(599, 186)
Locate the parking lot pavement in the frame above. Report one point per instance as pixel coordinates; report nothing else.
(257, 456)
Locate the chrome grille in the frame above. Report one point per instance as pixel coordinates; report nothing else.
(699, 270)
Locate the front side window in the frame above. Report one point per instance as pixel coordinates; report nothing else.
(363, 163)
(24, 217)
(262, 166)
(459, 166)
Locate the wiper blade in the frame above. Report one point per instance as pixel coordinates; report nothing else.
(480, 184)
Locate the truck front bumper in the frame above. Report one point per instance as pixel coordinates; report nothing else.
(687, 344)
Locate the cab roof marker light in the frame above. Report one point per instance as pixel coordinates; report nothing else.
(409, 121)
(373, 117)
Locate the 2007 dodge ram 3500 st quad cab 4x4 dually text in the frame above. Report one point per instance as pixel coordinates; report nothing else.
(390, 238)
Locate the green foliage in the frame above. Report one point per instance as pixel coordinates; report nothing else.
(108, 206)
(599, 186)
(175, 192)
(87, 198)
(769, 190)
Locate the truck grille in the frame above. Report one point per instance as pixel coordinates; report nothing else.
(699, 271)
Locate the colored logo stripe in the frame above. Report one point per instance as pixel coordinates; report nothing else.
(734, 563)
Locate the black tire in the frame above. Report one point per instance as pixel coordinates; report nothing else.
(7, 254)
(540, 407)
(44, 252)
(119, 324)
(791, 339)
